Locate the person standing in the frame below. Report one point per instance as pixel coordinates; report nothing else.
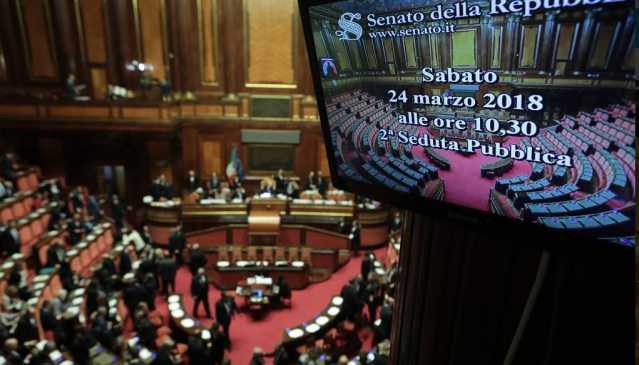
(166, 269)
(219, 342)
(224, 311)
(177, 243)
(197, 259)
(200, 292)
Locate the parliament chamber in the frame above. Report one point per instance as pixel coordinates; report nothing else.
(166, 194)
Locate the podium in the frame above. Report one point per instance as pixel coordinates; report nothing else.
(264, 220)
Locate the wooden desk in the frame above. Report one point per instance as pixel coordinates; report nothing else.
(227, 278)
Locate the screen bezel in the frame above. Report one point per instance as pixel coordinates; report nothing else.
(482, 220)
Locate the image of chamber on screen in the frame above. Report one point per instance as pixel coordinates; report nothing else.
(522, 111)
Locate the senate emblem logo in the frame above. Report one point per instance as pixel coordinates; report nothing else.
(351, 30)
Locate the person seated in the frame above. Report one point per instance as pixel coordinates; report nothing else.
(12, 306)
(192, 182)
(8, 165)
(266, 188)
(6, 189)
(311, 182)
(214, 182)
(161, 189)
(71, 89)
(238, 193)
(396, 223)
(280, 182)
(293, 190)
(321, 184)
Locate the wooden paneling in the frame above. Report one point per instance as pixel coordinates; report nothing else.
(211, 158)
(322, 158)
(207, 40)
(38, 39)
(78, 112)
(93, 21)
(270, 64)
(99, 82)
(152, 34)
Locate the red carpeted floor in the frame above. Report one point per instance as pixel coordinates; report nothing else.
(464, 184)
(247, 333)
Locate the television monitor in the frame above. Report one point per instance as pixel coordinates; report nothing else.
(516, 110)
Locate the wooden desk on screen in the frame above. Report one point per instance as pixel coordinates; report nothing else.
(227, 278)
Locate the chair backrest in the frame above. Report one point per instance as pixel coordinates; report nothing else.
(279, 254)
(223, 253)
(251, 253)
(306, 255)
(267, 254)
(293, 254)
(237, 253)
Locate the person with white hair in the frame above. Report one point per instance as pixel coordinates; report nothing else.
(258, 357)
(200, 292)
(59, 303)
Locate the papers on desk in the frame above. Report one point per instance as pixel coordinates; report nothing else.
(259, 280)
(212, 201)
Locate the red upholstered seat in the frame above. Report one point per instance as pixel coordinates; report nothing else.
(267, 254)
(6, 214)
(36, 228)
(44, 219)
(293, 254)
(237, 253)
(18, 210)
(306, 255)
(251, 254)
(223, 253)
(22, 183)
(280, 254)
(32, 181)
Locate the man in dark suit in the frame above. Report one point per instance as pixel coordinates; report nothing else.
(219, 342)
(367, 266)
(200, 292)
(192, 182)
(224, 311)
(383, 331)
(283, 290)
(311, 182)
(322, 184)
(352, 303)
(166, 270)
(197, 259)
(280, 182)
(125, 261)
(354, 237)
(133, 292)
(10, 239)
(177, 243)
(396, 223)
(197, 351)
(117, 211)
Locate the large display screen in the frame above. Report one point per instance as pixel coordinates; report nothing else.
(520, 108)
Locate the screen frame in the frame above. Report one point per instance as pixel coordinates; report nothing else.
(482, 220)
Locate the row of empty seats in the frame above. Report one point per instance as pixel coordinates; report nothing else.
(263, 256)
